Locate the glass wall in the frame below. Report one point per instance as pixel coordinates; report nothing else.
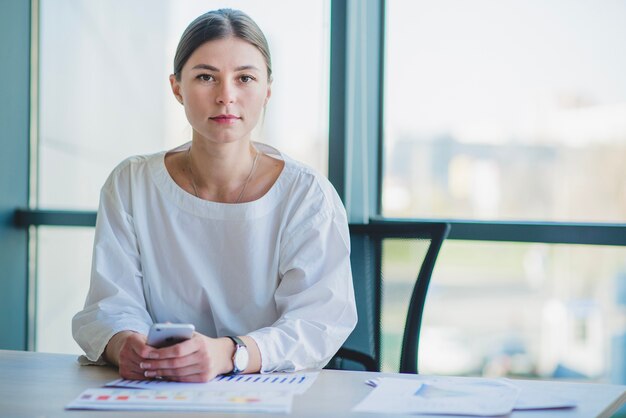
(63, 267)
(502, 309)
(501, 111)
(104, 95)
(505, 110)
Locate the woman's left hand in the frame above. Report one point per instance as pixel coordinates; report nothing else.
(198, 359)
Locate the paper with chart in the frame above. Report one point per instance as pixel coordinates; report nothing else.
(182, 400)
(529, 398)
(483, 397)
(234, 393)
(295, 383)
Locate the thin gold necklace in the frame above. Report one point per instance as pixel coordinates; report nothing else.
(243, 189)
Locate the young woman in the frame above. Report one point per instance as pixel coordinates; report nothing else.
(225, 233)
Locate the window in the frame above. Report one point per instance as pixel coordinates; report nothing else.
(522, 309)
(104, 95)
(505, 110)
(509, 111)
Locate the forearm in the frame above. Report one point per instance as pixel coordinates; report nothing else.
(225, 351)
(298, 344)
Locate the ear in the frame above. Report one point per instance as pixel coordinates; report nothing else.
(176, 88)
(269, 93)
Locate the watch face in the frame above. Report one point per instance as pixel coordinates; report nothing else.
(241, 359)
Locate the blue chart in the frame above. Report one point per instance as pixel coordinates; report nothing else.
(295, 383)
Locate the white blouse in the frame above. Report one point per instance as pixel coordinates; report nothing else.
(276, 269)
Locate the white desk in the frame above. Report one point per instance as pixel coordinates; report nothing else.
(40, 385)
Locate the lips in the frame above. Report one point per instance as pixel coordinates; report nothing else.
(225, 118)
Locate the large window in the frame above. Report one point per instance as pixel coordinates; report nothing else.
(104, 95)
(501, 309)
(506, 111)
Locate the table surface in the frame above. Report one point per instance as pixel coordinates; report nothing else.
(40, 385)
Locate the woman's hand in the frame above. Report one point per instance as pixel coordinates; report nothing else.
(125, 349)
(198, 359)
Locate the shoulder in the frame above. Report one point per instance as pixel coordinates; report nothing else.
(131, 176)
(308, 186)
(307, 197)
(313, 212)
(131, 167)
(133, 164)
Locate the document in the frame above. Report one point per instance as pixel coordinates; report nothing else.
(538, 399)
(182, 400)
(295, 383)
(481, 397)
(234, 393)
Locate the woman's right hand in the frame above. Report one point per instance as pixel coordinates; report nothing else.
(127, 349)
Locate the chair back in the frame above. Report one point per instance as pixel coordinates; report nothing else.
(370, 244)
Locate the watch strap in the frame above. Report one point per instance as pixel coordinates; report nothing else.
(238, 341)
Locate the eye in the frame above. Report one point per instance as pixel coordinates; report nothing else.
(246, 78)
(205, 77)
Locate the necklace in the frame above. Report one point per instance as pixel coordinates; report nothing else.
(245, 184)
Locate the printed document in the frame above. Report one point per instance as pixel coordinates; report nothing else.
(296, 383)
(482, 397)
(182, 400)
(227, 393)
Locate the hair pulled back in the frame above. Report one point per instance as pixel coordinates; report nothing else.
(220, 24)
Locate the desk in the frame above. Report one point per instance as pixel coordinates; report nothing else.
(40, 385)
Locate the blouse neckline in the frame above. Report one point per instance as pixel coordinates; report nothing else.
(209, 209)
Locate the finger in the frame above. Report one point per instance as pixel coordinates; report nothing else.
(131, 351)
(129, 359)
(185, 366)
(181, 349)
(170, 363)
(130, 367)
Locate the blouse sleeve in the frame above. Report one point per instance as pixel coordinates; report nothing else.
(115, 301)
(315, 297)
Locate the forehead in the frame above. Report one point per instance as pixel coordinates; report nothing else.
(227, 53)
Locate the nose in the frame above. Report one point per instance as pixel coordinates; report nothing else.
(226, 93)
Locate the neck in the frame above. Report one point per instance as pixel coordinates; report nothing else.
(221, 172)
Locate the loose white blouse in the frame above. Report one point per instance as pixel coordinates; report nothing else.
(276, 269)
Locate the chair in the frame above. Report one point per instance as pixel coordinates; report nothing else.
(363, 348)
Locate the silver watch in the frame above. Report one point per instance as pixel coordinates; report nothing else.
(241, 356)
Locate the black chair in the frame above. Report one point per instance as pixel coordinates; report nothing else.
(367, 259)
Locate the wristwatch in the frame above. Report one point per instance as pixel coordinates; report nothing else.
(241, 357)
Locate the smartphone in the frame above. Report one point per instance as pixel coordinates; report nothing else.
(163, 335)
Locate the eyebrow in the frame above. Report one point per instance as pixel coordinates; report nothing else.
(212, 68)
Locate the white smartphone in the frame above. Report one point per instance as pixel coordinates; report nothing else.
(163, 335)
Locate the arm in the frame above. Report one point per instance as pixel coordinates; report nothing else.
(115, 301)
(315, 297)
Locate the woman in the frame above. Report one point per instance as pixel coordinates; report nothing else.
(247, 244)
